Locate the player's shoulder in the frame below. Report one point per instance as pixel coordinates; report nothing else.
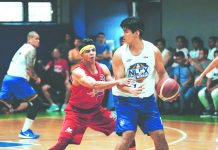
(78, 71)
(121, 50)
(104, 67)
(152, 47)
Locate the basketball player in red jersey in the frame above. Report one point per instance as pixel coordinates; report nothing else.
(89, 80)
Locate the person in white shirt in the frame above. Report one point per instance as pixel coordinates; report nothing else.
(212, 89)
(135, 103)
(15, 83)
(166, 54)
(182, 44)
(212, 48)
(197, 44)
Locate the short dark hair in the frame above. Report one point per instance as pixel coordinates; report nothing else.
(78, 37)
(180, 54)
(162, 40)
(183, 39)
(198, 40)
(86, 42)
(213, 38)
(205, 50)
(133, 24)
(100, 33)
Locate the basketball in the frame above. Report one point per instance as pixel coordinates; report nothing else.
(167, 89)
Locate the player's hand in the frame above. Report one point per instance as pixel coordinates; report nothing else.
(6, 108)
(198, 81)
(138, 90)
(124, 81)
(38, 80)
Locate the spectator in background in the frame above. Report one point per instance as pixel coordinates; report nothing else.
(182, 75)
(59, 80)
(210, 91)
(197, 67)
(197, 44)
(104, 54)
(212, 48)
(166, 54)
(121, 40)
(65, 46)
(182, 44)
(73, 56)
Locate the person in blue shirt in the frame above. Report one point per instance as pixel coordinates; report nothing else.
(183, 75)
(104, 54)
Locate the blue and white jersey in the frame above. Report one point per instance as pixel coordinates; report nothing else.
(19, 62)
(141, 68)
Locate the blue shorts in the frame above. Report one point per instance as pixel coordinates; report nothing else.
(16, 87)
(133, 111)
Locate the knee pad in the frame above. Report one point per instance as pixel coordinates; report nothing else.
(35, 105)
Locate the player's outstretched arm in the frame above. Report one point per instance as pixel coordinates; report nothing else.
(210, 67)
(79, 76)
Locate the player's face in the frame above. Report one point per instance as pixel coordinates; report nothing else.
(128, 35)
(89, 55)
(34, 41)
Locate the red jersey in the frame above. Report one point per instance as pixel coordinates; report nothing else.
(84, 97)
(60, 66)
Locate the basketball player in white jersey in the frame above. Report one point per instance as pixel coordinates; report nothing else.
(135, 104)
(15, 83)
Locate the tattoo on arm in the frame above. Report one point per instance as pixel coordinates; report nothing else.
(30, 61)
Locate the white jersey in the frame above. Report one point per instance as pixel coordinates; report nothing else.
(18, 65)
(213, 74)
(141, 68)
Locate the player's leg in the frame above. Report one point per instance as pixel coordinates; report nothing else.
(72, 131)
(105, 122)
(150, 122)
(5, 95)
(67, 95)
(45, 90)
(159, 140)
(126, 124)
(204, 101)
(23, 92)
(214, 95)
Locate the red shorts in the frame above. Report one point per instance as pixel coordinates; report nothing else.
(76, 122)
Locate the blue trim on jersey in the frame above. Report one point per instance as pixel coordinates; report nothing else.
(16, 87)
(134, 111)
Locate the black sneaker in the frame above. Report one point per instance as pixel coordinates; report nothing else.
(215, 114)
(206, 114)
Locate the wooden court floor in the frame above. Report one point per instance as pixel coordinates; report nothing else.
(181, 135)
